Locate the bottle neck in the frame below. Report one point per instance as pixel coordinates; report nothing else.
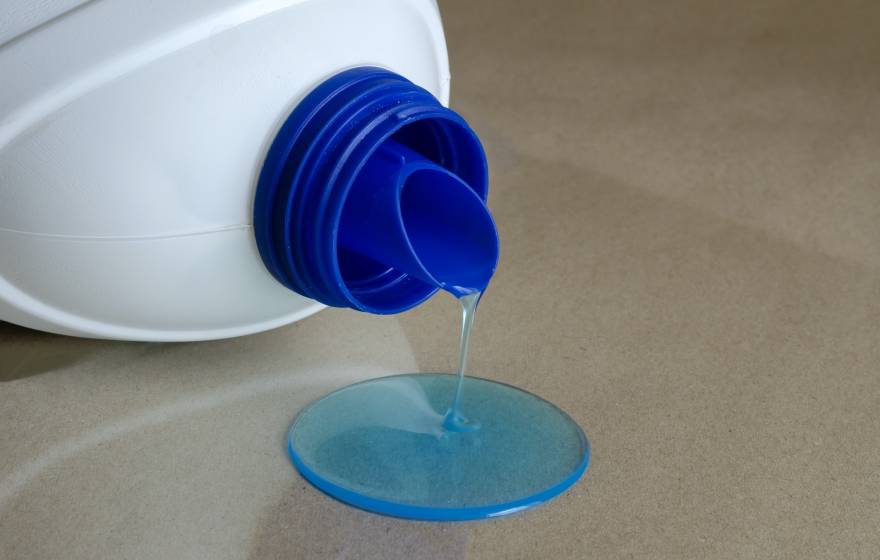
(321, 167)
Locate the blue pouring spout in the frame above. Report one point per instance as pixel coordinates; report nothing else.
(411, 214)
(372, 196)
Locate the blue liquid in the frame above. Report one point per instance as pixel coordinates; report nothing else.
(455, 421)
(436, 446)
(381, 445)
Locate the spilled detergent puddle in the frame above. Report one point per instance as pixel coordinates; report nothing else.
(436, 446)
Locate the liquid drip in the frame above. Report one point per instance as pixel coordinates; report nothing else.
(455, 421)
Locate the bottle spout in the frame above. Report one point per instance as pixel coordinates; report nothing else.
(372, 196)
(412, 215)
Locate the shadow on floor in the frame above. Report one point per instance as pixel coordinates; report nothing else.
(25, 352)
(305, 523)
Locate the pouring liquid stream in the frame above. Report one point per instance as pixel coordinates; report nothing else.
(455, 421)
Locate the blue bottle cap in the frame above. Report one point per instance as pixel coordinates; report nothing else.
(372, 196)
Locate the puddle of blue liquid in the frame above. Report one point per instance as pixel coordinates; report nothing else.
(381, 445)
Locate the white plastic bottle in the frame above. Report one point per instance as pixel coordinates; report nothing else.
(132, 136)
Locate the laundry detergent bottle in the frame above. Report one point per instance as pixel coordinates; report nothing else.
(212, 168)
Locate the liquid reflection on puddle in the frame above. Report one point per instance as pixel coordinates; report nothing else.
(400, 403)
